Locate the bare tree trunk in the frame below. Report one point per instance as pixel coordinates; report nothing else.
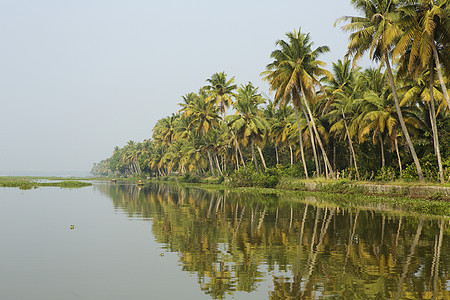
(262, 157)
(402, 121)
(437, 151)
(301, 143)
(439, 72)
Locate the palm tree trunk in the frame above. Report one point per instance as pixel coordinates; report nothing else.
(439, 72)
(211, 164)
(237, 158)
(351, 144)
(254, 157)
(301, 143)
(402, 121)
(276, 154)
(398, 157)
(319, 140)
(292, 155)
(262, 157)
(434, 126)
(311, 135)
(383, 161)
(218, 165)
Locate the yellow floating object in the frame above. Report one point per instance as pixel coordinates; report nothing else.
(72, 226)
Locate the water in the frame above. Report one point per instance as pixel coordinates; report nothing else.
(163, 242)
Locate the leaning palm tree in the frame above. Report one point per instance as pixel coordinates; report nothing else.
(377, 32)
(294, 76)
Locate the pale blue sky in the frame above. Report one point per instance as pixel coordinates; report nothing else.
(80, 77)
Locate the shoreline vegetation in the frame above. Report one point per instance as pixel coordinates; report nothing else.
(406, 197)
(346, 128)
(27, 183)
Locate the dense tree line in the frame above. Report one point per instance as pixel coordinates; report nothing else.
(386, 122)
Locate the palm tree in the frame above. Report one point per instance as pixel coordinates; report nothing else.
(248, 123)
(341, 89)
(419, 90)
(426, 35)
(220, 90)
(294, 76)
(282, 127)
(377, 32)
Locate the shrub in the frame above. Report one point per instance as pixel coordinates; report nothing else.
(249, 177)
(386, 174)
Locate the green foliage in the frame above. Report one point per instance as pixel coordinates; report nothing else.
(248, 177)
(429, 169)
(189, 178)
(386, 174)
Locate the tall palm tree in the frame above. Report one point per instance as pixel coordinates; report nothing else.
(426, 35)
(248, 123)
(294, 76)
(377, 32)
(341, 90)
(418, 90)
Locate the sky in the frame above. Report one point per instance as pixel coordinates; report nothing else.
(78, 78)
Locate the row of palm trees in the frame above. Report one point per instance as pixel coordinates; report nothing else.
(315, 112)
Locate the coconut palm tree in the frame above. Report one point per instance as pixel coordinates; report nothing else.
(248, 123)
(294, 76)
(423, 89)
(341, 91)
(220, 91)
(426, 37)
(377, 32)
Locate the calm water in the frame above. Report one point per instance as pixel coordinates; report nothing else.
(162, 242)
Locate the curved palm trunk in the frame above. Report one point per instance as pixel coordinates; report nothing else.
(350, 143)
(383, 161)
(402, 121)
(398, 157)
(319, 140)
(254, 157)
(262, 157)
(439, 72)
(301, 143)
(434, 126)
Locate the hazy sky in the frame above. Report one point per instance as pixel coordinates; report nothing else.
(80, 77)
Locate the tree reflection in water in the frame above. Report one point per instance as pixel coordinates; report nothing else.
(308, 248)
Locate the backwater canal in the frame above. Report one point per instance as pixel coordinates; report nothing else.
(168, 242)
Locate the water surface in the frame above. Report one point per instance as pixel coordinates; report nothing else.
(162, 242)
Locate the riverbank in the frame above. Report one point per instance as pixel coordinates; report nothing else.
(402, 197)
